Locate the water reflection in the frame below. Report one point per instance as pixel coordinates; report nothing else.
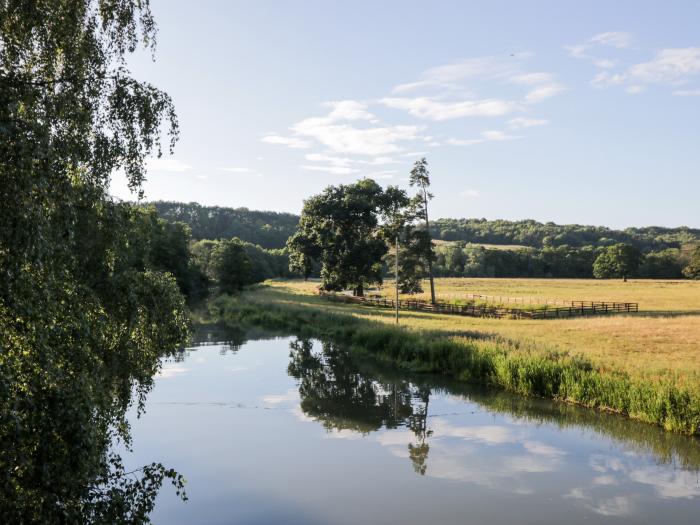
(624, 463)
(58, 441)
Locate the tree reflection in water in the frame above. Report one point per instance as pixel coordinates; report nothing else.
(57, 456)
(344, 394)
(334, 392)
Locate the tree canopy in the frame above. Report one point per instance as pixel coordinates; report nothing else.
(339, 228)
(620, 260)
(86, 306)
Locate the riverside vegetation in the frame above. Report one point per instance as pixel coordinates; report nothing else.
(660, 389)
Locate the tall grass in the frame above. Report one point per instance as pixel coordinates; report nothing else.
(499, 362)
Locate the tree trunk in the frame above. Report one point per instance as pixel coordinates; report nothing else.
(396, 276)
(430, 249)
(359, 290)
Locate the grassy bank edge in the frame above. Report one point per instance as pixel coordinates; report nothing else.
(498, 363)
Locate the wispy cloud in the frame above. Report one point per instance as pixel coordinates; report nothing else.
(434, 109)
(614, 39)
(486, 136)
(469, 193)
(671, 67)
(290, 142)
(525, 122)
(349, 110)
(449, 96)
(341, 137)
(166, 164)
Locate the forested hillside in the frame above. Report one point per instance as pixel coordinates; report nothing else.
(267, 229)
(536, 249)
(271, 229)
(538, 235)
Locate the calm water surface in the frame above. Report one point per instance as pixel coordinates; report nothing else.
(288, 430)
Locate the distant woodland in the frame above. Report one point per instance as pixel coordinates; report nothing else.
(464, 247)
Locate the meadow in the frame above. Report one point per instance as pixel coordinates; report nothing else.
(664, 336)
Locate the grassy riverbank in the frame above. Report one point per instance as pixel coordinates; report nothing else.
(467, 350)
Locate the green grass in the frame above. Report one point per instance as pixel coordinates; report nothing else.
(637, 344)
(515, 366)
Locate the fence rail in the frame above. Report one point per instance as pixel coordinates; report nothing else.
(572, 308)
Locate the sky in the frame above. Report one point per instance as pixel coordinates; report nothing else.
(563, 111)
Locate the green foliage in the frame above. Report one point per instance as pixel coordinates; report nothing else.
(88, 302)
(264, 228)
(230, 265)
(538, 235)
(339, 229)
(692, 269)
(412, 249)
(663, 264)
(620, 260)
(420, 177)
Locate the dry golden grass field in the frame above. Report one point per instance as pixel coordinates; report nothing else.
(664, 336)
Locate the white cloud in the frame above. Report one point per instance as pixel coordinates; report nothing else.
(290, 142)
(543, 92)
(469, 193)
(335, 170)
(532, 78)
(617, 39)
(524, 122)
(669, 66)
(166, 164)
(605, 79)
(480, 67)
(349, 110)
(486, 136)
(578, 51)
(345, 138)
(433, 109)
(497, 136)
(464, 142)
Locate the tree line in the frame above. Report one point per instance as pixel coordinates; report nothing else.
(271, 229)
(460, 259)
(525, 248)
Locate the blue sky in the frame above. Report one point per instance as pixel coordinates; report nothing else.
(585, 112)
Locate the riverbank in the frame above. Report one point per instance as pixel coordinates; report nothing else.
(427, 343)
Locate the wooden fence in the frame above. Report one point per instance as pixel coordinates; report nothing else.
(572, 309)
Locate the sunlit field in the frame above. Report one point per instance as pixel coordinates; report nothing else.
(637, 343)
(652, 296)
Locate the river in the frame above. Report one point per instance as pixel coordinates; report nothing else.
(289, 430)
